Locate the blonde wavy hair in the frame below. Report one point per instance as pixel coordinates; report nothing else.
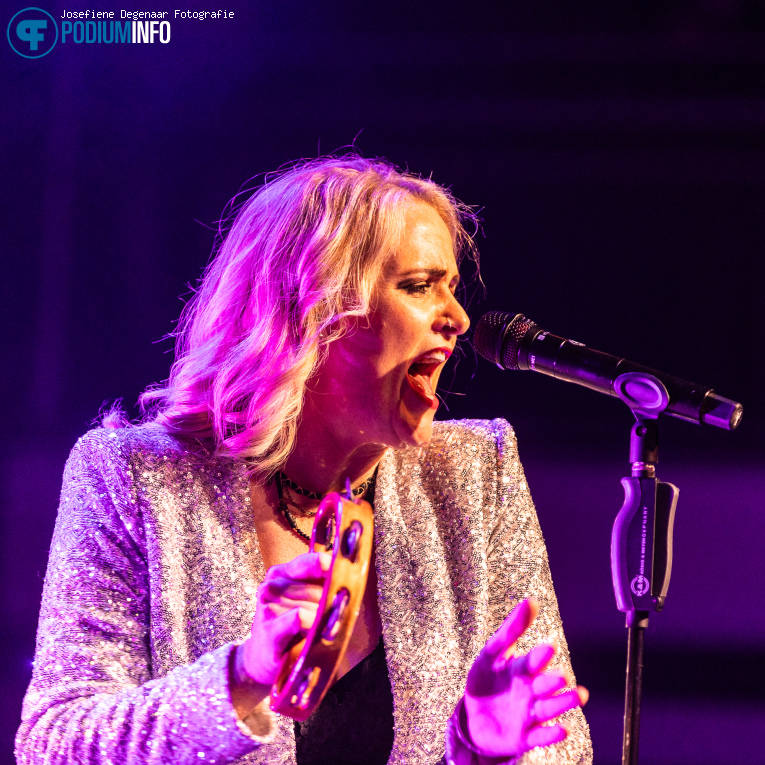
(306, 250)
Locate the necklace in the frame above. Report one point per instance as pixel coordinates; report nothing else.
(282, 481)
(359, 491)
(301, 511)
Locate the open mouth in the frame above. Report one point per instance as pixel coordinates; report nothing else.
(422, 374)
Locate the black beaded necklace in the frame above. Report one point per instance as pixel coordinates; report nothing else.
(281, 481)
(359, 491)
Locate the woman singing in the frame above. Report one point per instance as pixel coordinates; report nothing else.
(179, 570)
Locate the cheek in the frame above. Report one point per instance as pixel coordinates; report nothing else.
(353, 367)
(402, 335)
(383, 346)
(370, 361)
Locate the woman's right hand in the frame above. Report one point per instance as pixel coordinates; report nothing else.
(288, 600)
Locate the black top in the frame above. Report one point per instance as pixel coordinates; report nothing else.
(353, 725)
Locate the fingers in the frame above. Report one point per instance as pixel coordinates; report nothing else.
(297, 621)
(539, 658)
(549, 708)
(309, 567)
(271, 638)
(282, 590)
(548, 683)
(273, 611)
(544, 735)
(533, 663)
(288, 600)
(517, 622)
(295, 584)
(510, 698)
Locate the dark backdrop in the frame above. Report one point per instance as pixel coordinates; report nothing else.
(616, 154)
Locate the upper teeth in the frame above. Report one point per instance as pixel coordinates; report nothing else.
(435, 357)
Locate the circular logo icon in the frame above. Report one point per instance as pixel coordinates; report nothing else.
(32, 33)
(639, 585)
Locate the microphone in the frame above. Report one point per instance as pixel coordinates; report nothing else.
(511, 341)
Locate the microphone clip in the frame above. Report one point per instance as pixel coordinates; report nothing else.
(644, 393)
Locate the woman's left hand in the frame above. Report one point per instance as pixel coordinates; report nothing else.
(510, 697)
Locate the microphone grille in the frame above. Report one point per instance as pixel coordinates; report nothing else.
(498, 337)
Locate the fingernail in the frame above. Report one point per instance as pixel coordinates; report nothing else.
(325, 560)
(584, 694)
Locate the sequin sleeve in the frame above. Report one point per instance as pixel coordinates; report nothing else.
(93, 698)
(518, 568)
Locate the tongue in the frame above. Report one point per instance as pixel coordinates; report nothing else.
(421, 384)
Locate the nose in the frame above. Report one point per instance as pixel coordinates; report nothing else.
(454, 319)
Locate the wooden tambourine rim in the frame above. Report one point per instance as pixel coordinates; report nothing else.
(298, 689)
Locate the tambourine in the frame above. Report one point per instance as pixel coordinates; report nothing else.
(344, 527)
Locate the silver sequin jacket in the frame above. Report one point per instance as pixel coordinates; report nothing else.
(152, 578)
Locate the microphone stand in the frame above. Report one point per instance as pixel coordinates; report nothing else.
(641, 539)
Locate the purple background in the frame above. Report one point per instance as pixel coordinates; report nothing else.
(617, 154)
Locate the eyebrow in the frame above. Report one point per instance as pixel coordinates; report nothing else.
(436, 273)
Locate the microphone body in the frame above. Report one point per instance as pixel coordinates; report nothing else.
(512, 341)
